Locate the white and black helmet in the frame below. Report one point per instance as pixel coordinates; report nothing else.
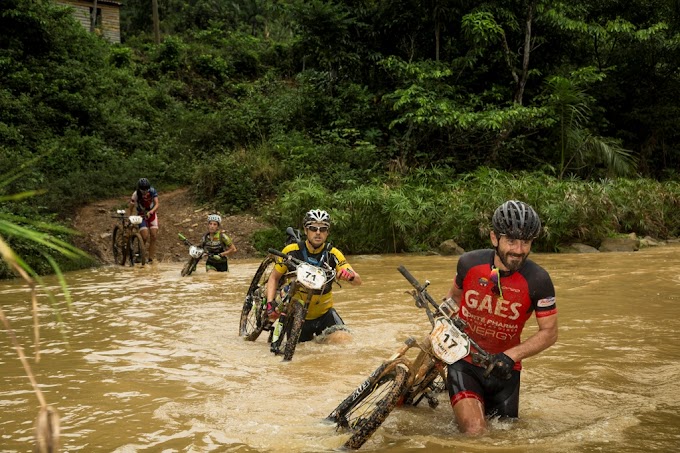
(516, 220)
(215, 218)
(317, 216)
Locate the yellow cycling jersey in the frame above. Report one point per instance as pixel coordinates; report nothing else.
(319, 304)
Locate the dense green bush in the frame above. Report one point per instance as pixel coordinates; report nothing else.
(417, 213)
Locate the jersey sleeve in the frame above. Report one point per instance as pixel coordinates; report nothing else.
(465, 263)
(280, 266)
(542, 293)
(341, 261)
(226, 240)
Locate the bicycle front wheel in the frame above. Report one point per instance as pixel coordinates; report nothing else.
(119, 248)
(253, 317)
(296, 319)
(369, 405)
(137, 250)
(189, 267)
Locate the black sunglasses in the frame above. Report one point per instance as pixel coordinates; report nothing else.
(314, 228)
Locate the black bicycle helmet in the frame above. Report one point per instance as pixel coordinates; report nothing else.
(516, 220)
(143, 184)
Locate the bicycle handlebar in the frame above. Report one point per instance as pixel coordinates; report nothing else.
(422, 293)
(421, 290)
(326, 267)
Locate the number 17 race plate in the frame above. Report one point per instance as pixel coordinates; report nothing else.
(447, 342)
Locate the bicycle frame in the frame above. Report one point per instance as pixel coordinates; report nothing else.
(314, 280)
(123, 249)
(401, 380)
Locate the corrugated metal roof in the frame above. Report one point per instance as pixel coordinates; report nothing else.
(91, 2)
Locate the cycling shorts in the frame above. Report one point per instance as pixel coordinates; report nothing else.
(498, 396)
(316, 326)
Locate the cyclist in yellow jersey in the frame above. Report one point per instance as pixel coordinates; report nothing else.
(321, 317)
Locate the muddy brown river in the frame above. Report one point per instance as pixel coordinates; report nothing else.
(149, 361)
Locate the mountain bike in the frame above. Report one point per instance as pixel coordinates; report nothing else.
(403, 381)
(128, 245)
(195, 255)
(254, 318)
(310, 280)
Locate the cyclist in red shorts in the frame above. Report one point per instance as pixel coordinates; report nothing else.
(145, 201)
(497, 290)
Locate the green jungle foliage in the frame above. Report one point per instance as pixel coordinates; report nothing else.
(419, 211)
(408, 120)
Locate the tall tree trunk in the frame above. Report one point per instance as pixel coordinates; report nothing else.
(156, 22)
(521, 78)
(521, 83)
(437, 34)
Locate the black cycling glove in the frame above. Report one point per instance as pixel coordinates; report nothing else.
(501, 366)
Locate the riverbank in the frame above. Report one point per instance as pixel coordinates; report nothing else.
(178, 213)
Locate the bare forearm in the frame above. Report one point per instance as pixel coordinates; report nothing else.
(538, 342)
(272, 284)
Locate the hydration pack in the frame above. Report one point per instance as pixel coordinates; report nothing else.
(311, 259)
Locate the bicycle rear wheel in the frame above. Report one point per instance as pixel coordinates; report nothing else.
(119, 255)
(137, 250)
(253, 317)
(369, 405)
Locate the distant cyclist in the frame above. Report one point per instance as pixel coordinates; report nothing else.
(145, 201)
(218, 245)
(322, 319)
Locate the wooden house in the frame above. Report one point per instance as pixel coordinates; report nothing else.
(108, 16)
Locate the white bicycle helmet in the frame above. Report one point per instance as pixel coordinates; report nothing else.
(317, 216)
(215, 218)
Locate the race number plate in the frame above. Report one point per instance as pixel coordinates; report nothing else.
(195, 252)
(447, 343)
(310, 276)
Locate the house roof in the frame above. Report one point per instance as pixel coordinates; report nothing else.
(90, 2)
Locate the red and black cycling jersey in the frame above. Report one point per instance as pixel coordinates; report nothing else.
(496, 321)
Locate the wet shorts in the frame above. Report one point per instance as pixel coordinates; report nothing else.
(499, 397)
(146, 224)
(316, 326)
(219, 266)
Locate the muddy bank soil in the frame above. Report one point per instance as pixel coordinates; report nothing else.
(178, 213)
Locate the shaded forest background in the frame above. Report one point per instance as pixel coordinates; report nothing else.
(409, 121)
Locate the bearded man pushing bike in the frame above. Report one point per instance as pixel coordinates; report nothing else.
(497, 290)
(321, 319)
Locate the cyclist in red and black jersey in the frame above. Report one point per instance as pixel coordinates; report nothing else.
(497, 290)
(145, 201)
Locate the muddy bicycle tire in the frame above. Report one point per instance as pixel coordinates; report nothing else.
(369, 405)
(119, 247)
(136, 249)
(189, 267)
(253, 318)
(296, 319)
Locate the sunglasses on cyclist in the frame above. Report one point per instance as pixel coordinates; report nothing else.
(314, 228)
